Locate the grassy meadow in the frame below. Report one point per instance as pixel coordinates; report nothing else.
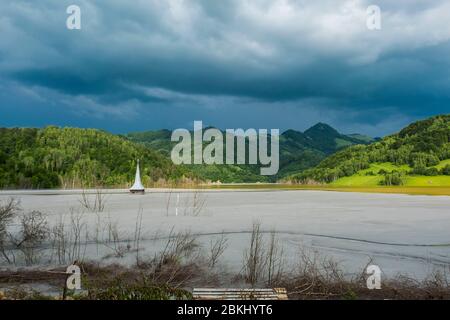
(367, 180)
(371, 177)
(412, 190)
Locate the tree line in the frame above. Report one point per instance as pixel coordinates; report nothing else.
(55, 157)
(421, 146)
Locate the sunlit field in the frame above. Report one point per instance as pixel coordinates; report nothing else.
(418, 190)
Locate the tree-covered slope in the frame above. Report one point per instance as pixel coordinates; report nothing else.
(302, 150)
(328, 140)
(420, 149)
(298, 152)
(70, 157)
(161, 140)
(158, 140)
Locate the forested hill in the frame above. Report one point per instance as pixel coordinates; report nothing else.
(420, 149)
(298, 151)
(303, 150)
(70, 157)
(54, 157)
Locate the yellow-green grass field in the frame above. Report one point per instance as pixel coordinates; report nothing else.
(410, 181)
(431, 191)
(363, 179)
(367, 180)
(412, 190)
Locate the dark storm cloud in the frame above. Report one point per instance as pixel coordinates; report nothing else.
(277, 63)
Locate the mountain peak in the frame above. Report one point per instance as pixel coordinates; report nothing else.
(320, 129)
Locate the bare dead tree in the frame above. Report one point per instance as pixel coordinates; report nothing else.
(178, 246)
(115, 241)
(78, 227)
(254, 261)
(33, 232)
(8, 211)
(137, 233)
(198, 202)
(59, 240)
(97, 204)
(275, 260)
(216, 249)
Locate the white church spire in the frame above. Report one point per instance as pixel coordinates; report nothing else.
(137, 186)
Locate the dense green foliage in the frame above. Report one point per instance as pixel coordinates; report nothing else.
(156, 140)
(298, 151)
(69, 157)
(421, 146)
(394, 178)
(161, 140)
(446, 170)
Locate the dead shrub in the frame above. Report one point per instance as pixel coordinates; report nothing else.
(254, 261)
(275, 260)
(97, 204)
(216, 249)
(33, 233)
(263, 261)
(9, 209)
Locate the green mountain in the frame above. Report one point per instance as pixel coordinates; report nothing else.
(160, 141)
(420, 150)
(157, 140)
(54, 157)
(298, 151)
(70, 157)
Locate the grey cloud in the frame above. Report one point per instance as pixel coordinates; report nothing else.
(237, 55)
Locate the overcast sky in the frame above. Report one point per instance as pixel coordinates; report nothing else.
(141, 65)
